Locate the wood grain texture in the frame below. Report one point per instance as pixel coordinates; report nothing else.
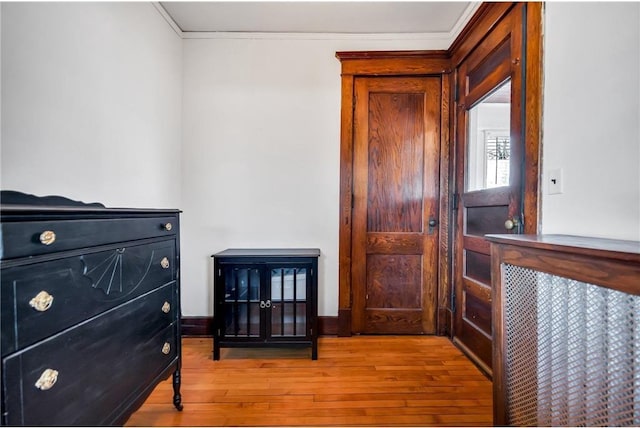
(445, 224)
(477, 311)
(396, 192)
(533, 115)
(381, 63)
(482, 220)
(496, 55)
(346, 198)
(613, 274)
(394, 281)
(396, 162)
(477, 266)
(356, 381)
(602, 248)
(482, 22)
(411, 63)
(406, 243)
(499, 57)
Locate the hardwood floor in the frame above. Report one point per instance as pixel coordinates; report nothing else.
(360, 380)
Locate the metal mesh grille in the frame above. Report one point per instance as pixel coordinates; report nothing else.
(572, 352)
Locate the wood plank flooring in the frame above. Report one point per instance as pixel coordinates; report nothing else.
(356, 381)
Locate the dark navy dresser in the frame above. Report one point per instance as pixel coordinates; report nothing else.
(90, 309)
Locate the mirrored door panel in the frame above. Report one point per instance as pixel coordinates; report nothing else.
(489, 141)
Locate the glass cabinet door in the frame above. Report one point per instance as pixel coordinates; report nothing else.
(241, 302)
(289, 301)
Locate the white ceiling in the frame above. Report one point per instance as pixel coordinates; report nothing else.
(363, 17)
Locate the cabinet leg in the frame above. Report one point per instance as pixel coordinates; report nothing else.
(216, 351)
(177, 398)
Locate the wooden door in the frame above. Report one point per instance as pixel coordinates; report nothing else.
(489, 175)
(395, 204)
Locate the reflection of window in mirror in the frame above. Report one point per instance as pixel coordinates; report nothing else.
(488, 145)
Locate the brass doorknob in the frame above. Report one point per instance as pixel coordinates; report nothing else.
(511, 223)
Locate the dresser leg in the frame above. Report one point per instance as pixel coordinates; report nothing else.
(177, 398)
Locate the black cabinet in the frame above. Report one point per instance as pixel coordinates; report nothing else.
(266, 298)
(90, 310)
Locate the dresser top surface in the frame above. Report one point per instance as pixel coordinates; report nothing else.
(269, 252)
(13, 204)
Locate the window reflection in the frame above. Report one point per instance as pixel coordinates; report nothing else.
(488, 140)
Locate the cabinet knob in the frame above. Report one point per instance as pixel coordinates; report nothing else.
(164, 263)
(167, 227)
(166, 348)
(42, 301)
(47, 237)
(166, 307)
(47, 379)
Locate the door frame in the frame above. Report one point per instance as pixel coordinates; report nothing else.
(392, 63)
(483, 21)
(440, 62)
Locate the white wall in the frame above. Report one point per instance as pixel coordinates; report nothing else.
(592, 118)
(91, 102)
(99, 104)
(261, 152)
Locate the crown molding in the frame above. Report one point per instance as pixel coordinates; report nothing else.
(445, 39)
(168, 19)
(442, 37)
(462, 22)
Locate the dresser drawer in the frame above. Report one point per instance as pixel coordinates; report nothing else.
(30, 238)
(100, 365)
(45, 298)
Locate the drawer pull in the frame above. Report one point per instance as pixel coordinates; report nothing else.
(47, 237)
(41, 302)
(166, 348)
(47, 379)
(164, 263)
(167, 227)
(166, 307)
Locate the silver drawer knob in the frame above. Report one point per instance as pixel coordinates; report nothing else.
(167, 227)
(47, 379)
(47, 237)
(164, 263)
(42, 301)
(166, 348)
(166, 307)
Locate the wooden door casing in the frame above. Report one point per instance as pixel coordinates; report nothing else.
(494, 61)
(439, 63)
(396, 195)
(378, 64)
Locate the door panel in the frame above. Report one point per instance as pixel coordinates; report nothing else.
(489, 174)
(396, 193)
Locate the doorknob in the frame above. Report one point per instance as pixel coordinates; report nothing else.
(432, 224)
(511, 223)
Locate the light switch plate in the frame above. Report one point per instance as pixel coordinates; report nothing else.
(554, 181)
